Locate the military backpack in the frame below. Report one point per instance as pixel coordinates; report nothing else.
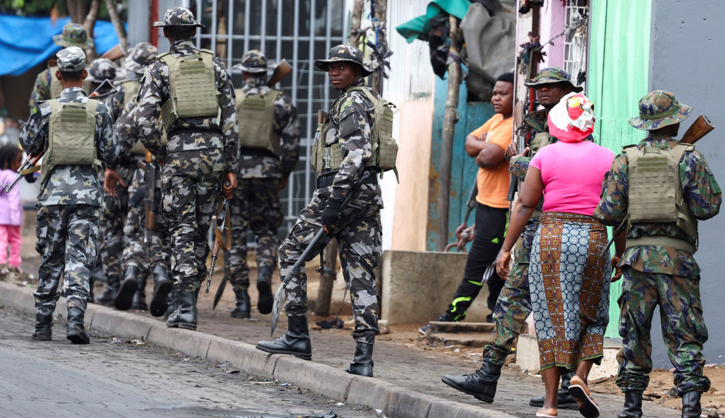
(255, 113)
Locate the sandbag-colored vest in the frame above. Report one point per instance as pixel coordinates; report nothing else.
(255, 113)
(328, 158)
(656, 196)
(56, 88)
(193, 88)
(130, 91)
(71, 136)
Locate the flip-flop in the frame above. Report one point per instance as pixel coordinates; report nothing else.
(579, 391)
(543, 415)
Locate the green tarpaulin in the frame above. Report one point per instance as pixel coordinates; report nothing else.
(414, 28)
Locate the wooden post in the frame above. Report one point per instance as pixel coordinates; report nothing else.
(357, 12)
(450, 119)
(381, 13)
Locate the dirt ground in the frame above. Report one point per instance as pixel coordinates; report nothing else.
(401, 357)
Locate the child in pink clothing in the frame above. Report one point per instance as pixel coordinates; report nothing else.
(11, 209)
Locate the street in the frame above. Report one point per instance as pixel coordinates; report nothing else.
(120, 378)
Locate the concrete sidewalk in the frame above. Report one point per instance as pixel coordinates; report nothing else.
(407, 382)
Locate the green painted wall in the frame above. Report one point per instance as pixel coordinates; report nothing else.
(618, 77)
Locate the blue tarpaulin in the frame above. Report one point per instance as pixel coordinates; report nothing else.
(27, 41)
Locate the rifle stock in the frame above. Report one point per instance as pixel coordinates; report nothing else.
(699, 129)
(283, 70)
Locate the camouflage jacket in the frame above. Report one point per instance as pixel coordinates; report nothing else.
(351, 124)
(700, 190)
(114, 102)
(536, 122)
(41, 88)
(195, 133)
(127, 138)
(70, 184)
(288, 129)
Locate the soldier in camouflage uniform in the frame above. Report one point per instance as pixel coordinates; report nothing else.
(264, 167)
(356, 228)
(514, 302)
(69, 203)
(73, 35)
(202, 150)
(658, 264)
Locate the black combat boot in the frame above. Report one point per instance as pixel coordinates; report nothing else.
(482, 384)
(173, 303)
(264, 287)
(243, 308)
(43, 323)
(139, 298)
(566, 401)
(296, 341)
(76, 328)
(185, 314)
(362, 364)
(124, 298)
(632, 404)
(110, 291)
(691, 404)
(162, 287)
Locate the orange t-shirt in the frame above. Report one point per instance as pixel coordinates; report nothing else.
(493, 183)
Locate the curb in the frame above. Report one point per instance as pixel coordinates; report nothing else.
(395, 401)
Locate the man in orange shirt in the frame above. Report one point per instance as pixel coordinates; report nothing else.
(487, 145)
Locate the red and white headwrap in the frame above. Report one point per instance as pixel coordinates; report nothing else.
(572, 119)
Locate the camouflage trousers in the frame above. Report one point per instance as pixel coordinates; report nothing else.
(190, 189)
(514, 302)
(255, 206)
(67, 244)
(135, 253)
(113, 217)
(683, 329)
(358, 235)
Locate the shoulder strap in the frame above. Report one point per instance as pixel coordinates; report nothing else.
(54, 104)
(630, 151)
(241, 95)
(92, 105)
(678, 152)
(167, 58)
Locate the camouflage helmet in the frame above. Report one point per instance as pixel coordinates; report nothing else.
(659, 109)
(101, 69)
(553, 75)
(344, 53)
(73, 35)
(253, 61)
(71, 59)
(140, 57)
(178, 17)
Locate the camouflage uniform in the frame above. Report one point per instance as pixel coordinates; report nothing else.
(657, 274)
(68, 209)
(199, 151)
(256, 202)
(73, 35)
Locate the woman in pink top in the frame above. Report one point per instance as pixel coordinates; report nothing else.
(11, 209)
(568, 275)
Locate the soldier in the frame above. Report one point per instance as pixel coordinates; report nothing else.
(200, 121)
(46, 85)
(77, 136)
(514, 303)
(661, 238)
(140, 258)
(343, 152)
(269, 143)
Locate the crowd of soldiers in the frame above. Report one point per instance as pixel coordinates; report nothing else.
(179, 116)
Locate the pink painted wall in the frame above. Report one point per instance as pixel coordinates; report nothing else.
(553, 21)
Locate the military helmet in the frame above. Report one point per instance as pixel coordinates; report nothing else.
(101, 69)
(140, 57)
(73, 34)
(344, 53)
(71, 59)
(659, 109)
(178, 17)
(253, 61)
(553, 75)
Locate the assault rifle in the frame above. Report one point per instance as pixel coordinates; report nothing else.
(701, 127)
(521, 134)
(150, 175)
(28, 167)
(222, 219)
(282, 70)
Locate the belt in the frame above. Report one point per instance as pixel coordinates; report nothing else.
(256, 152)
(179, 131)
(662, 241)
(328, 179)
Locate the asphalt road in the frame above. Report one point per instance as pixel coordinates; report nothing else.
(120, 378)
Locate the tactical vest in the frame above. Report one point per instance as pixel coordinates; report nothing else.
(130, 91)
(328, 158)
(656, 196)
(193, 88)
(71, 136)
(255, 114)
(56, 87)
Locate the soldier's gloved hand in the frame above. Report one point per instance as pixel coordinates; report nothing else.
(331, 214)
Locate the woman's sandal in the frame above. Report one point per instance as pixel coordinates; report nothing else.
(542, 414)
(579, 391)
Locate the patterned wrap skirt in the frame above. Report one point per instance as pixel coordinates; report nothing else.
(569, 283)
